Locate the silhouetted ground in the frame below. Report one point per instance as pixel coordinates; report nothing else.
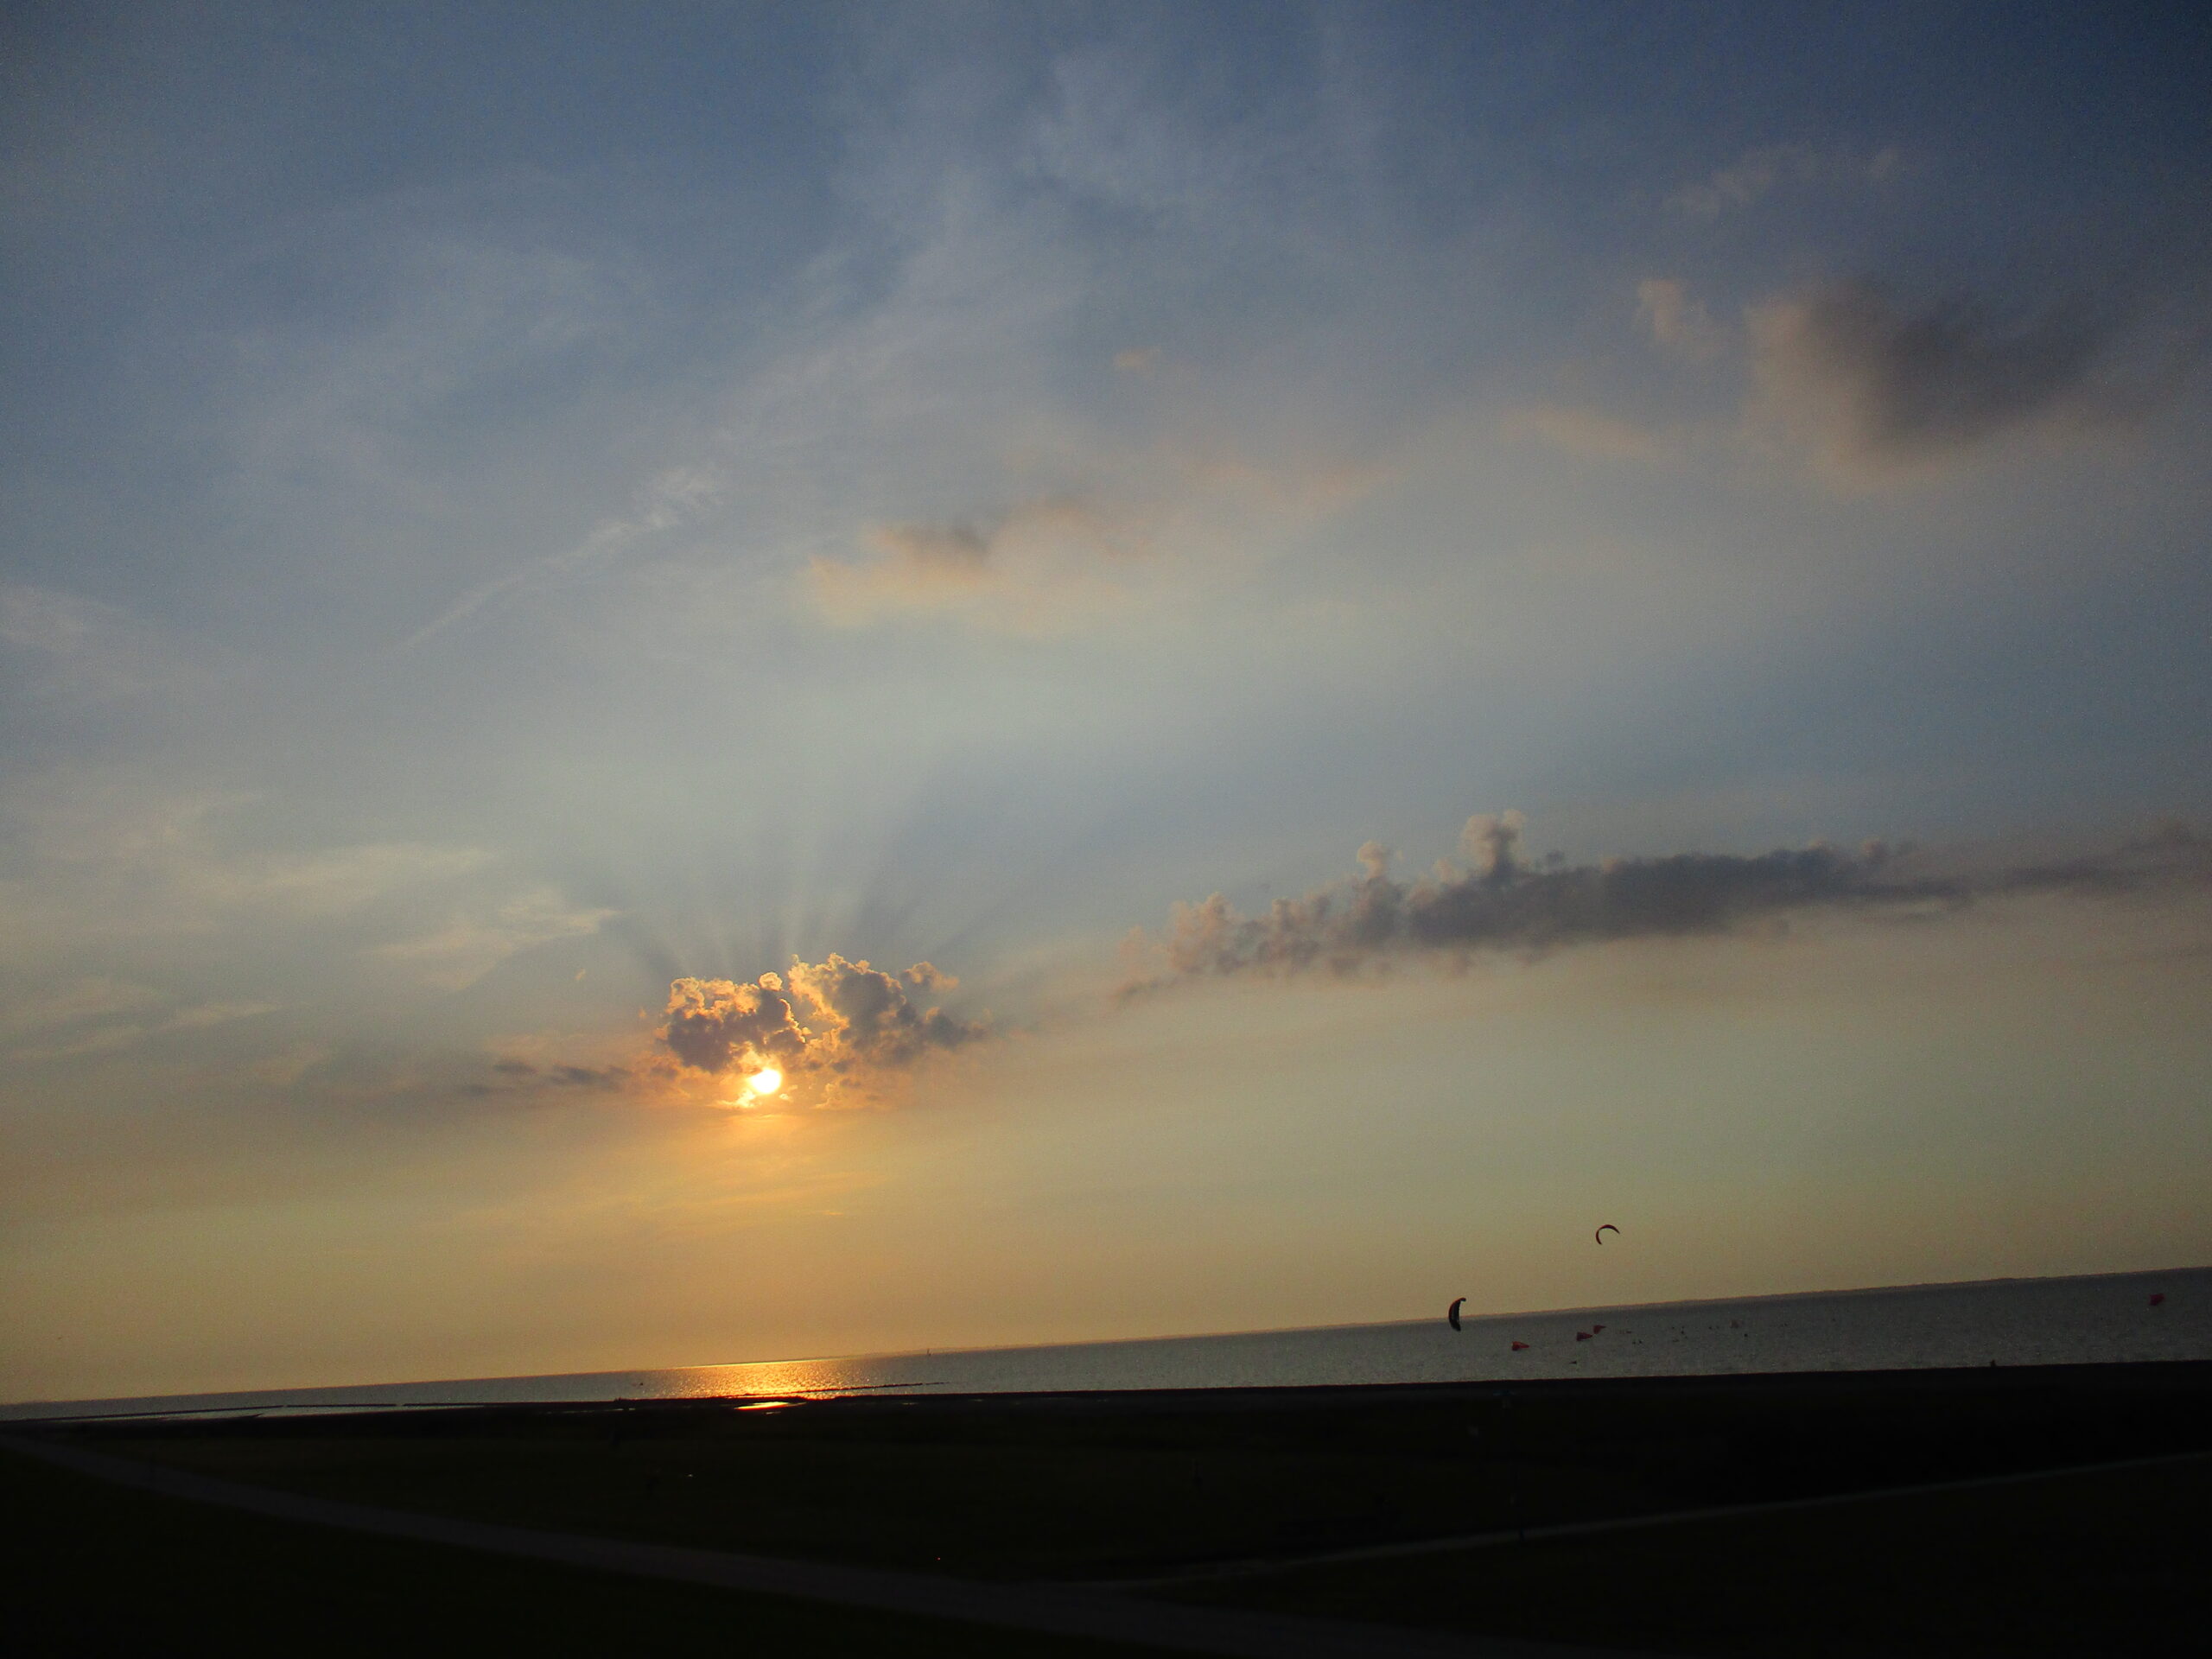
(2117, 1563)
(1106, 1486)
(93, 1569)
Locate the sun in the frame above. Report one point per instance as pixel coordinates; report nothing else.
(765, 1081)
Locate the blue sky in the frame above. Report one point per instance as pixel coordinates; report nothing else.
(508, 508)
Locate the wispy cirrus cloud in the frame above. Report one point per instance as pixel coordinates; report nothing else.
(67, 647)
(1758, 173)
(456, 955)
(100, 1014)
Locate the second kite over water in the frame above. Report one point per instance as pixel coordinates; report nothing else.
(1600, 1234)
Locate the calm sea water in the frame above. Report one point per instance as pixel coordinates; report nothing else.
(2105, 1319)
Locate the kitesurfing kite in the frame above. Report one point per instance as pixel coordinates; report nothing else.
(1452, 1312)
(1600, 1234)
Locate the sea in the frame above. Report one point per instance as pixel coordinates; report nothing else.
(2103, 1318)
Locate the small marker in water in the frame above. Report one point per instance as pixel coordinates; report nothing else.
(2157, 1297)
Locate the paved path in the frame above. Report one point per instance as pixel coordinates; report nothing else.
(1261, 1566)
(1057, 1610)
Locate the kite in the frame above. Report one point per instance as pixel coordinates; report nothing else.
(1452, 1312)
(1600, 1234)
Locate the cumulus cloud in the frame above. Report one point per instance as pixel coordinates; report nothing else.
(1495, 899)
(823, 1024)
(1878, 386)
(1756, 173)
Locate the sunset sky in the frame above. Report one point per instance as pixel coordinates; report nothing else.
(1672, 539)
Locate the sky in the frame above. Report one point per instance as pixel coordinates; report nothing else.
(691, 682)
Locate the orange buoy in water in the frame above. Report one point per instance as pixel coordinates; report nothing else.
(1518, 1346)
(2157, 1297)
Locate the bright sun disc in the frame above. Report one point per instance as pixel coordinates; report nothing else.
(765, 1083)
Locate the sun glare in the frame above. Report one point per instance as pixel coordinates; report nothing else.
(765, 1082)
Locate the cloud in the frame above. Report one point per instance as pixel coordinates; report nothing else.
(94, 997)
(456, 956)
(98, 1015)
(1874, 388)
(1756, 173)
(514, 1076)
(1017, 567)
(822, 1025)
(1497, 900)
(1678, 322)
(1877, 387)
(1589, 432)
(674, 498)
(89, 853)
(75, 648)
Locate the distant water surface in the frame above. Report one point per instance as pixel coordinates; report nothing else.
(2103, 1318)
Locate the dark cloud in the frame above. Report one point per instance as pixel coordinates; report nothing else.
(515, 1076)
(1499, 901)
(833, 1018)
(1877, 384)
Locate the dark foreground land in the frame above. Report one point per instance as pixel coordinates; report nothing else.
(1220, 1497)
